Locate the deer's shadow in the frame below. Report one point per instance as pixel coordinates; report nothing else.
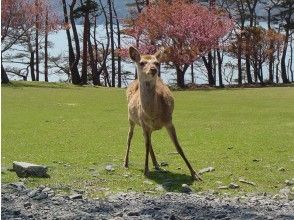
(170, 181)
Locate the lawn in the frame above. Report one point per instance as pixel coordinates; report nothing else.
(78, 131)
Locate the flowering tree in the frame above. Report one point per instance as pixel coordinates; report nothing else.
(266, 45)
(186, 31)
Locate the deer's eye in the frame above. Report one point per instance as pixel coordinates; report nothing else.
(143, 63)
(157, 63)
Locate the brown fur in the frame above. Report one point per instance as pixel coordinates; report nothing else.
(150, 105)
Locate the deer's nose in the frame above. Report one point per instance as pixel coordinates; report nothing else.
(153, 70)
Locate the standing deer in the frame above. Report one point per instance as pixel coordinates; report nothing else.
(150, 105)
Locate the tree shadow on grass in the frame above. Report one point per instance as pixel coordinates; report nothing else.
(171, 182)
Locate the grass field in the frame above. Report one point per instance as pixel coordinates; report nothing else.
(77, 131)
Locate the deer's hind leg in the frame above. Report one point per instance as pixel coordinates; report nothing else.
(172, 133)
(130, 136)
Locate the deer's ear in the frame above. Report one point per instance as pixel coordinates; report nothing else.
(159, 54)
(134, 54)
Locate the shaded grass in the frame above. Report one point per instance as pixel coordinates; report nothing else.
(77, 131)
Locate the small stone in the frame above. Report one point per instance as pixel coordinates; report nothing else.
(3, 170)
(223, 187)
(109, 168)
(282, 169)
(33, 193)
(206, 170)
(163, 164)
(159, 188)
(247, 182)
(27, 205)
(76, 196)
(18, 185)
(46, 189)
(133, 213)
(289, 182)
(285, 191)
(186, 189)
(24, 169)
(148, 182)
(291, 196)
(41, 196)
(234, 186)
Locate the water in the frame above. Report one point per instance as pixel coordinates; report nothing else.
(60, 47)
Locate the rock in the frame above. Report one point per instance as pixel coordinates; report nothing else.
(247, 182)
(148, 182)
(219, 182)
(234, 186)
(289, 182)
(18, 185)
(285, 191)
(282, 169)
(109, 168)
(41, 196)
(223, 187)
(159, 188)
(76, 196)
(291, 196)
(206, 170)
(24, 169)
(46, 189)
(33, 193)
(27, 205)
(186, 189)
(135, 213)
(163, 164)
(3, 170)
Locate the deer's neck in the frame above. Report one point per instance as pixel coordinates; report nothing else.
(148, 96)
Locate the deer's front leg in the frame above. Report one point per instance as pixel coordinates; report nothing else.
(130, 135)
(147, 137)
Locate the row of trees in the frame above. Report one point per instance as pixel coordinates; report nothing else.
(192, 34)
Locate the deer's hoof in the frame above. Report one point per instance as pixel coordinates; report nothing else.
(147, 173)
(126, 165)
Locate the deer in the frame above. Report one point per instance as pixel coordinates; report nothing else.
(151, 105)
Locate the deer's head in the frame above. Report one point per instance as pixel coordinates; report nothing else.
(147, 65)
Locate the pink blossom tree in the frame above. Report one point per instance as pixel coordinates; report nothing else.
(186, 30)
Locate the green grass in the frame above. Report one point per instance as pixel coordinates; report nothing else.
(77, 131)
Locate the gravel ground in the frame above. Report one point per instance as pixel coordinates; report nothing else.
(19, 202)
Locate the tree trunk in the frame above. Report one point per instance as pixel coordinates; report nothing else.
(4, 77)
(75, 77)
(181, 75)
(291, 58)
(239, 65)
(192, 74)
(220, 62)
(85, 48)
(37, 42)
(118, 47)
(112, 44)
(283, 58)
(209, 68)
(93, 63)
(75, 35)
(46, 48)
(32, 65)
